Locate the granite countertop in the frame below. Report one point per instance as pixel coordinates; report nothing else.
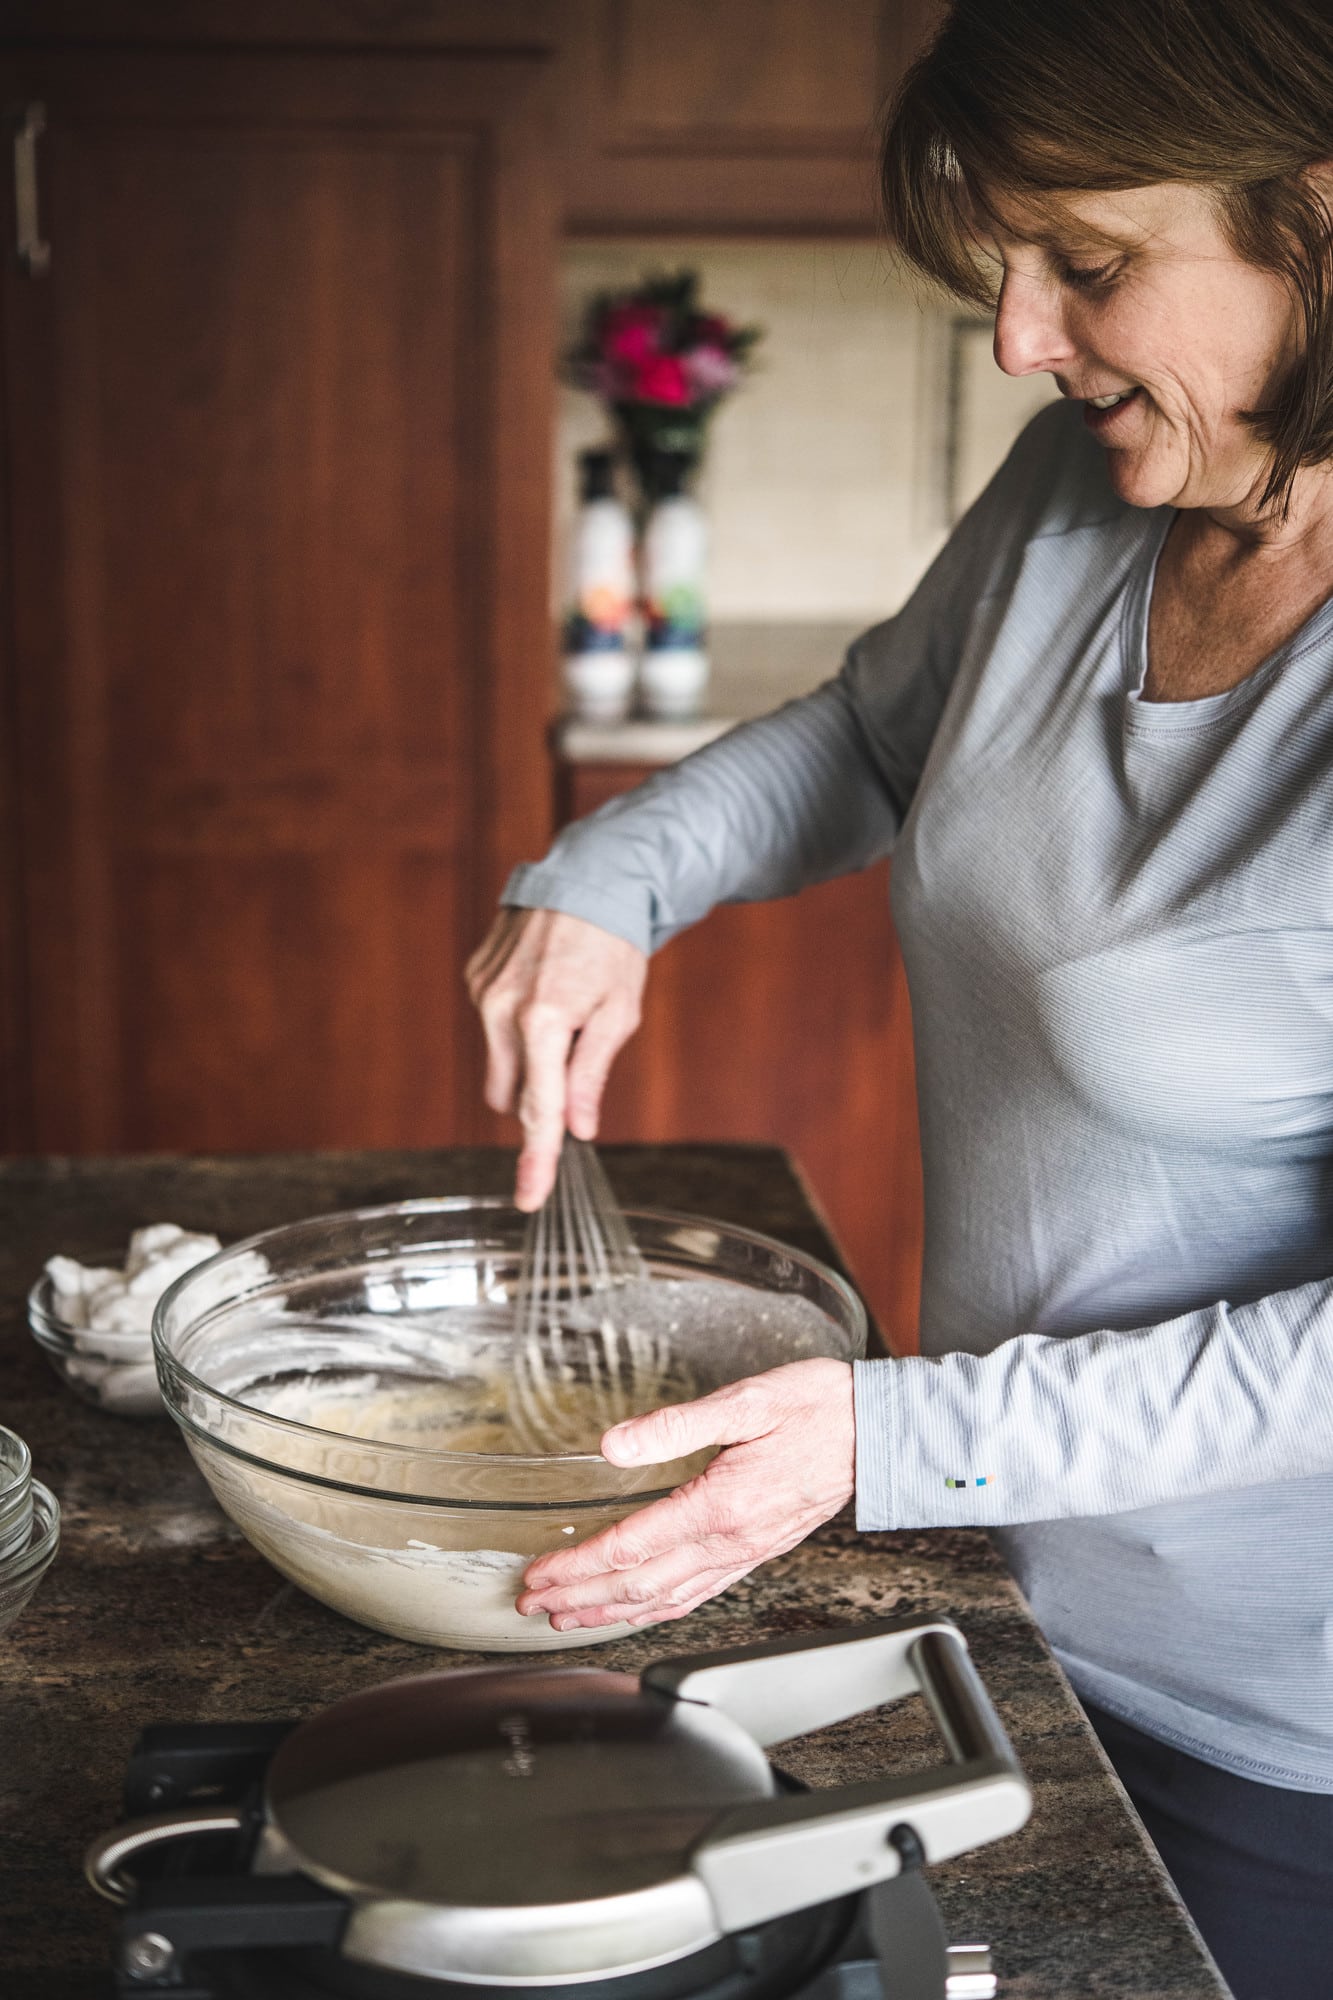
(156, 1610)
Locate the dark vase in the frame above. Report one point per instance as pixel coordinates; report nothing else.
(664, 446)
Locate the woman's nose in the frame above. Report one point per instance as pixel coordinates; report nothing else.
(1030, 336)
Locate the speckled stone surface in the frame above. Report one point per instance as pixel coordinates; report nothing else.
(157, 1610)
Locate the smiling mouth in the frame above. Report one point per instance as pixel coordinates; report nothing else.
(1101, 414)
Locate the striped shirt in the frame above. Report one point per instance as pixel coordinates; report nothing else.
(1117, 922)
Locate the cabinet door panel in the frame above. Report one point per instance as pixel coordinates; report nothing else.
(800, 73)
(313, 962)
(271, 517)
(756, 115)
(280, 592)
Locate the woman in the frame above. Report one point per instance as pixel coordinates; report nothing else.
(1099, 744)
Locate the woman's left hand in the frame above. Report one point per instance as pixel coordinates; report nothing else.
(786, 1463)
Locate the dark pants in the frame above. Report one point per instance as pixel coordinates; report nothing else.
(1253, 1863)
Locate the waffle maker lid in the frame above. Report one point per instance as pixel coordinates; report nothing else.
(510, 1821)
(528, 1825)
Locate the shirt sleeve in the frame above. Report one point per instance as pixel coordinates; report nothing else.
(768, 808)
(1050, 1426)
(820, 788)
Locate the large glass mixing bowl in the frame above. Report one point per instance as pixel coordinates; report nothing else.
(372, 1323)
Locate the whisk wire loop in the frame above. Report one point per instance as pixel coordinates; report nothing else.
(580, 1364)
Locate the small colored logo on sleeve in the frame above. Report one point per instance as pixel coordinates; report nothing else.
(981, 1479)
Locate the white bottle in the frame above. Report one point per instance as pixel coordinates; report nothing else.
(673, 671)
(598, 668)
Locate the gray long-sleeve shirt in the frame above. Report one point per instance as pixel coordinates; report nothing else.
(1117, 922)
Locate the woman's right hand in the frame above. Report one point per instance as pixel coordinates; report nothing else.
(558, 998)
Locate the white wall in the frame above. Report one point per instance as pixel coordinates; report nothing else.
(826, 480)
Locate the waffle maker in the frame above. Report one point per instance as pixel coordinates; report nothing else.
(556, 1830)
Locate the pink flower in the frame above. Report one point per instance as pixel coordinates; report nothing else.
(661, 379)
(711, 370)
(629, 334)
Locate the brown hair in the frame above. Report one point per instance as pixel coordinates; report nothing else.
(1038, 98)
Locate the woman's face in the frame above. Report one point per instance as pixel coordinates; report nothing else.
(1139, 295)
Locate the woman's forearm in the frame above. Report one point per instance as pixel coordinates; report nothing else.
(772, 806)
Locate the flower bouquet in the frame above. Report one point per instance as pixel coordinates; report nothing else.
(662, 365)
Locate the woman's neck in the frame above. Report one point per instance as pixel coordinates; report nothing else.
(1248, 528)
(1233, 585)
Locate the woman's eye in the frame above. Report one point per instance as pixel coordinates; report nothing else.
(1090, 277)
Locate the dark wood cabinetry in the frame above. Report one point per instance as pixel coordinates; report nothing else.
(277, 424)
(759, 115)
(788, 1022)
(749, 116)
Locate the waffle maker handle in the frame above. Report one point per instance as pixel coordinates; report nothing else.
(105, 1863)
(759, 1861)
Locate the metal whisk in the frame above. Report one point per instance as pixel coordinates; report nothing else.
(580, 1364)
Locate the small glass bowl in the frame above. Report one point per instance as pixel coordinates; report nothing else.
(112, 1371)
(423, 1542)
(23, 1568)
(15, 1494)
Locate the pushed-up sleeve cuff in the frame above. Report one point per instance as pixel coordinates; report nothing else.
(921, 1450)
(1049, 1426)
(622, 911)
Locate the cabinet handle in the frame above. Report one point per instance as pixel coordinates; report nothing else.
(34, 255)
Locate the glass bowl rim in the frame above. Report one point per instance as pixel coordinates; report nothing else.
(40, 1549)
(56, 1334)
(403, 1454)
(21, 1476)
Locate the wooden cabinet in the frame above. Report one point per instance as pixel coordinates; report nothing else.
(757, 115)
(277, 428)
(787, 1022)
